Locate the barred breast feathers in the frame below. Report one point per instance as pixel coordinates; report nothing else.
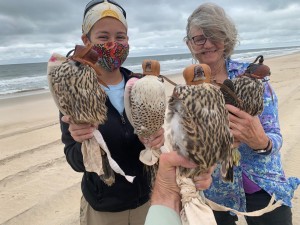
(77, 93)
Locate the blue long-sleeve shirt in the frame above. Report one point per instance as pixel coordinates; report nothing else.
(264, 170)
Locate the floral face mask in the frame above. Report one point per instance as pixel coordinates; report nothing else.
(111, 55)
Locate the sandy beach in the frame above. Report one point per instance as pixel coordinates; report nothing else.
(37, 185)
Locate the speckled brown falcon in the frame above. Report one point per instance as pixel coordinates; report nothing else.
(248, 89)
(145, 105)
(249, 94)
(76, 91)
(245, 93)
(198, 125)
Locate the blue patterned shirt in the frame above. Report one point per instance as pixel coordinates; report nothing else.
(264, 170)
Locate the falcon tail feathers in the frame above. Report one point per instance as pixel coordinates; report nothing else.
(227, 173)
(152, 172)
(227, 166)
(108, 177)
(229, 99)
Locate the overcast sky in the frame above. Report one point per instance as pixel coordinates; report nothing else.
(31, 30)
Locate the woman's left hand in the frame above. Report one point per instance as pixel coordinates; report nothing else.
(247, 128)
(156, 140)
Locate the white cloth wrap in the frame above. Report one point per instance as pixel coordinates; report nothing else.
(149, 156)
(196, 209)
(113, 164)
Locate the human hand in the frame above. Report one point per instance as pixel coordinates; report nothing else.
(203, 181)
(155, 141)
(166, 191)
(246, 128)
(79, 132)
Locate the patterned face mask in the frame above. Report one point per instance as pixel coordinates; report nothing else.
(111, 55)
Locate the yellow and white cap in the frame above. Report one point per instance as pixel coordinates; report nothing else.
(99, 11)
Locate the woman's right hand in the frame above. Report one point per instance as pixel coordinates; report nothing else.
(79, 132)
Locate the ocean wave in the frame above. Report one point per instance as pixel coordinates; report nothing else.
(14, 85)
(4, 94)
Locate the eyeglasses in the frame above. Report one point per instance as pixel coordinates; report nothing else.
(95, 2)
(199, 40)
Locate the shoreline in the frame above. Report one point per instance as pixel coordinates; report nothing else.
(24, 93)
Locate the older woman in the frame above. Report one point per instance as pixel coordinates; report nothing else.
(211, 38)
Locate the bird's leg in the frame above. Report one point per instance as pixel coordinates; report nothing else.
(236, 156)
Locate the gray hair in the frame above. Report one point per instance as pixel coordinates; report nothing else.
(216, 25)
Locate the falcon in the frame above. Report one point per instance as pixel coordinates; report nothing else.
(74, 85)
(198, 125)
(246, 91)
(76, 91)
(145, 105)
(248, 94)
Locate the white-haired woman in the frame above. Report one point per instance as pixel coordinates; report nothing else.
(211, 38)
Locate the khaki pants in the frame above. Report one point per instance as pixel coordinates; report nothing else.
(88, 216)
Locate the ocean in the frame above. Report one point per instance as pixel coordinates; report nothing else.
(29, 77)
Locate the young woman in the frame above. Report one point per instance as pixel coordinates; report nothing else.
(105, 27)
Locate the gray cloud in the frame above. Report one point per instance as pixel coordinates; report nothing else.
(32, 30)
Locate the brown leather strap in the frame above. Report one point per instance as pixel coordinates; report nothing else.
(167, 79)
(141, 75)
(229, 91)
